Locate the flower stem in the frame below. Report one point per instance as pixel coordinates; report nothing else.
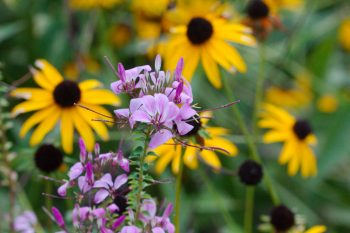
(249, 209)
(140, 177)
(178, 193)
(251, 143)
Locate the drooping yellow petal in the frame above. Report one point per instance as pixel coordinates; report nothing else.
(210, 158)
(221, 60)
(49, 71)
(225, 32)
(190, 157)
(99, 97)
(99, 127)
(308, 161)
(37, 94)
(275, 136)
(36, 118)
(287, 152)
(89, 84)
(224, 144)
(294, 163)
(217, 131)
(44, 127)
(163, 162)
(84, 130)
(317, 229)
(28, 106)
(175, 165)
(279, 113)
(67, 130)
(211, 69)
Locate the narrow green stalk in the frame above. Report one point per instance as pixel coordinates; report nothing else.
(251, 143)
(140, 178)
(249, 209)
(259, 88)
(233, 226)
(178, 194)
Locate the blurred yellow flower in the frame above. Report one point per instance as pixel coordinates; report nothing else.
(171, 151)
(54, 102)
(300, 95)
(72, 70)
(344, 34)
(277, 5)
(327, 103)
(91, 4)
(297, 137)
(204, 36)
(120, 35)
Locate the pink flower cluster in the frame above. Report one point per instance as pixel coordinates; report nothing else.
(159, 100)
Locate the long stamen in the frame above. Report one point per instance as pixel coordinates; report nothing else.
(84, 107)
(220, 107)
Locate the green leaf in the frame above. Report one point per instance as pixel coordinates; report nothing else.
(10, 29)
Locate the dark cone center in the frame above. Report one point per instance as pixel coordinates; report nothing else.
(67, 93)
(282, 218)
(250, 172)
(257, 9)
(199, 30)
(48, 158)
(196, 123)
(302, 129)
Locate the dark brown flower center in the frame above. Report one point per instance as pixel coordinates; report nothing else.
(48, 158)
(282, 218)
(196, 123)
(199, 30)
(67, 93)
(302, 129)
(250, 172)
(257, 9)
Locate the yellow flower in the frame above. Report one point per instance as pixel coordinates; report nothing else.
(299, 95)
(314, 229)
(344, 34)
(327, 103)
(54, 103)
(91, 4)
(171, 151)
(203, 37)
(120, 35)
(72, 70)
(297, 137)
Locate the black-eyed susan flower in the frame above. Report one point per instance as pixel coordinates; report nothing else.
(204, 36)
(344, 34)
(54, 104)
(297, 137)
(296, 96)
(282, 218)
(171, 151)
(92, 4)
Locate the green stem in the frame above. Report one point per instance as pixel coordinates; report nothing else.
(140, 178)
(249, 209)
(250, 142)
(233, 226)
(178, 194)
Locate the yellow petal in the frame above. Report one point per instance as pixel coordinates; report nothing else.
(175, 165)
(317, 229)
(191, 61)
(84, 130)
(229, 33)
(36, 118)
(210, 158)
(42, 80)
(44, 127)
(190, 157)
(295, 161)
(211, 69)
(89, 84)
(49, 71)
(217, 131)
(100, 97)
(287, 152)
(67, 130)
(28, 106)
(163, 162)
(275, 136)
(224, 144)
(99, 127)
(32, 94)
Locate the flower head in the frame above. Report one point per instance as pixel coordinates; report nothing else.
(25, 222)
(55, 102)
(297, 137)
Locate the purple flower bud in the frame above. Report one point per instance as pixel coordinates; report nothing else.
(112, 208)
(167, 211)
(62, 190)
(123, 162)
(118, 222)
(158, 62)
(82, 150)
(97, 149)
(178, 92)
(121, 72)
(178, 70)
(58, 217)
(89, 173)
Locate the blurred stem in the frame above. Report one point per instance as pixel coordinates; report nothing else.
(250, 142)
(249, 209)
(223, 208)
(259, 88)
(178, 193)
(140, 178)
(48, 200)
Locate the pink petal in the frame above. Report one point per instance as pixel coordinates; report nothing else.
(120, 180)
(99, 213)
(141, 116)
(162, 136)
(187, 111)
(122, 113)
(183, 127)
(112, 208)
(105, 182)
(172, 111)
(62, 190)
(130, 229)
(157, 230)
(149, 206)
(58, 217)
(117, 87)
(118, 222)
(75, 171)
(149, 104)
(82, 150)
(100, 196)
